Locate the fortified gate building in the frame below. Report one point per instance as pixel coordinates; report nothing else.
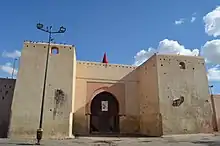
(168, 94)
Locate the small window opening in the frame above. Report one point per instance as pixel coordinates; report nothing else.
(182, 65)
(54, 50)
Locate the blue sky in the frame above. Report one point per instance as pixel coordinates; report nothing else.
(121, 28)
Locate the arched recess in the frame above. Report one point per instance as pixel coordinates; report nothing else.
(93, 94)
(104, 118)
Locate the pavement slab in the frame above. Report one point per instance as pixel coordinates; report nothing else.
(172, 140)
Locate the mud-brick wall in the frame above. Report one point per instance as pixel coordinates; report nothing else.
(185, 103)
(150, 119)
(26, 105)
(119, 80)
(6, 97)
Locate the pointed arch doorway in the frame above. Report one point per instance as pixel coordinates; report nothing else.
(104, 117)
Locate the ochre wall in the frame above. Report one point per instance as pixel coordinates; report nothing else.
(120, 80)
(194, 114)
(6, 96)
(28, 91)
(150, 119)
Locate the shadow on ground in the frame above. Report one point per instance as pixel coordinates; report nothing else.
(114, 135)
(208, 143)
(103, 143)
(17, 144)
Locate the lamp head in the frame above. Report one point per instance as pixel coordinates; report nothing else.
(62, 29)
(40, 26)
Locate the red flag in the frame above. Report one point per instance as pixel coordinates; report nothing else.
(105, 60)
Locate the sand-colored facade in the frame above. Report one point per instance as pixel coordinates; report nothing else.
(168, 94)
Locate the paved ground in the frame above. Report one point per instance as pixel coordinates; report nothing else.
(180, 140)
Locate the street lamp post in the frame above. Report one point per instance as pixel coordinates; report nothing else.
(50, 32)
(13, 69)
(210, 89)
(215, 126)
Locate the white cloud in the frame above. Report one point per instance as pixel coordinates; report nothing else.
(212, 22)
(8, 68)
(211, 51)
(14, 54)
(180, 21)
(143, 55)
(214, 73)
(193, 19)
(165, 47)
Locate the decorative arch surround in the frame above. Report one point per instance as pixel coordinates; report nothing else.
(94, 88)
(107, 94)
(96, 92)
(104, 118)
(100, 90)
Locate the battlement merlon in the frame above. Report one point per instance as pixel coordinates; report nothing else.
(183, 56)
(26, 42)
(89, 63)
